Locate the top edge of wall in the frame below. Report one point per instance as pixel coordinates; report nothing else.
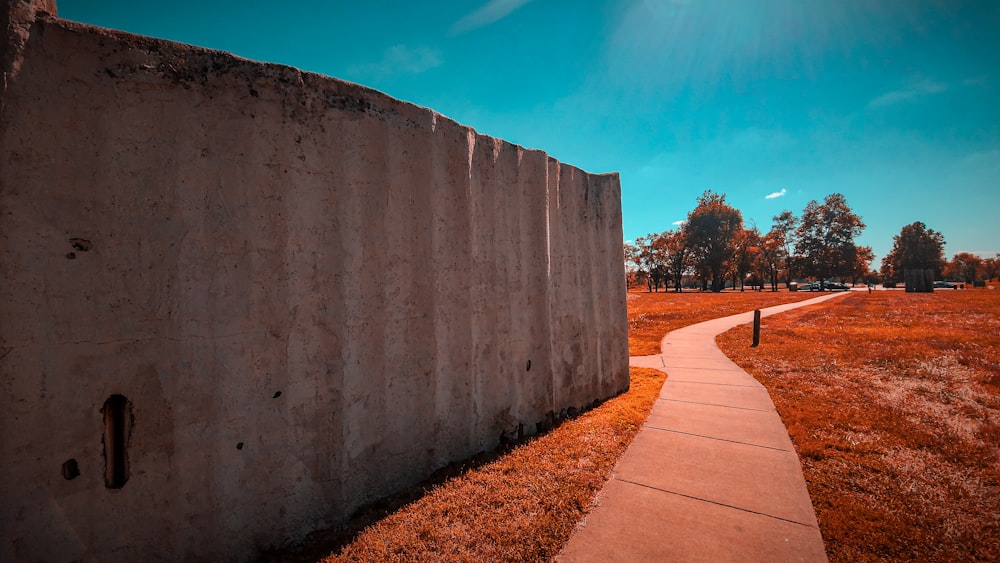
(45, 11)
(16, 16)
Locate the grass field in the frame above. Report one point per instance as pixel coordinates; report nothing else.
(653, 315)
(893, 403)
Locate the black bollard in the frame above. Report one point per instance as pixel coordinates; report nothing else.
(756, 328)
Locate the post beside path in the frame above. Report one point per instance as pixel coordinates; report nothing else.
(756, 329)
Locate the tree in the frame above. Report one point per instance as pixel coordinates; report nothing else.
(680, 256)
(633, 271)
(784, 228)
(709, 230)
(915, 248)
(746, 247)
(652, 259)
(772, 249)
(964, 266)
(991, 266)
(825, 238)
(862, 261)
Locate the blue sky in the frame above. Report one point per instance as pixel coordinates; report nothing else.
(894, 103)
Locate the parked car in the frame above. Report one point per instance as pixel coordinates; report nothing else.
(828, 286)
(944, 285)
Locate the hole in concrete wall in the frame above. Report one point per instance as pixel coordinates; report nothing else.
(81, 244)
(117, 429)
(70, 469)
(71, 256)
(529, 366)
(239, 446)
(276, 394)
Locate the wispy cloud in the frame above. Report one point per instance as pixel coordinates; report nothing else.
(988, 158)
(400, 59)
(981, 80)
(679, 223)
(493, 11)
(915, 90)
(775, 195)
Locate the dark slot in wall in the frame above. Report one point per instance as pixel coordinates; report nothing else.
(117, 427)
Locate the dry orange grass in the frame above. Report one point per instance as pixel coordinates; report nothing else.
(524, 505)
(652, 315)
(893, 403)
(521, 506)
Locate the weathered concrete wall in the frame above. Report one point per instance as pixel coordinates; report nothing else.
(310, 294)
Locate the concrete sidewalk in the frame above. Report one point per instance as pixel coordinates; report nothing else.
(712, 475)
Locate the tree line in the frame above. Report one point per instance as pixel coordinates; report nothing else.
(713, 248)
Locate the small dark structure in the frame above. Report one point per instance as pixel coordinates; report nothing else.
(919, 280)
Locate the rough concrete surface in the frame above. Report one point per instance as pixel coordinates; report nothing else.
(240, 300)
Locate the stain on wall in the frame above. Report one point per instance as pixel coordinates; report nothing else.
(240, 300)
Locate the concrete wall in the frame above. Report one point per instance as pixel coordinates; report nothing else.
(309, 294)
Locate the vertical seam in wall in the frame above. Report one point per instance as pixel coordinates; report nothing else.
(597, 286)
(551, 191)
(472, 373)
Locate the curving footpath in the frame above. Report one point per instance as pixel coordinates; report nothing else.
(712, 475)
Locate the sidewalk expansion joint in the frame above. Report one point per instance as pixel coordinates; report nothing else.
(673, 356)
(716, 438)
(716, 405)
(698, 368)
(747, 510)
(758, 386)
(657, 356)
